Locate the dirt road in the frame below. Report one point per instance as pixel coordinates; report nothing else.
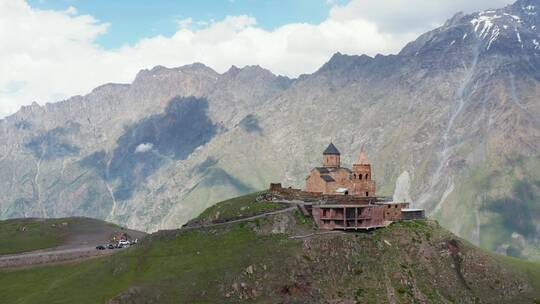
(53, 255)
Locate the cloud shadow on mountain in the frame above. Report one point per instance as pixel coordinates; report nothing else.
(250, 124)
(54, 143)
(146, 145)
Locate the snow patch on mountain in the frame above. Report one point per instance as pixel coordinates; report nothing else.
(530, 10)
(519, 38)
(492, 25)
(485, 28)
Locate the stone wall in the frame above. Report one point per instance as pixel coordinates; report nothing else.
(392, 211)
(291, 193)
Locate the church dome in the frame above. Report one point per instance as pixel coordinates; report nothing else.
(331, 150)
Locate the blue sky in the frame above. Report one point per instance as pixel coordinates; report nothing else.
(132, 20)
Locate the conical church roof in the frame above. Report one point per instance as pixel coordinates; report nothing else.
(362, 158)
(331, 150)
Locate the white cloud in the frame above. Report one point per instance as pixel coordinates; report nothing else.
(410, 15)
(46, 56)
(184, 23)
(71, 11)
(144, 147)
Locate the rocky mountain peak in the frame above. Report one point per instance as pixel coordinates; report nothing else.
(233, 70)
(111, 88)
(248, 71)
(508, 31)
(161, 72)
(528, 10)
(455, 20)
(527, 4)
(254, 76)
(508, 28)
(341, 61)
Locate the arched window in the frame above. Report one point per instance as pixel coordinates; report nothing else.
(367, 176)
(360, 176)
(355, 176)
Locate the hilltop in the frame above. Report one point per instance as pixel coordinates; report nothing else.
(29, 234)
(33, 241)
(281, 258)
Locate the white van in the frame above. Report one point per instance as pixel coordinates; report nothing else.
(124, 243)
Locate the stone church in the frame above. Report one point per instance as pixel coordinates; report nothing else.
(331, 178)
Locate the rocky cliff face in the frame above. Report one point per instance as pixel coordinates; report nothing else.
(456, 113)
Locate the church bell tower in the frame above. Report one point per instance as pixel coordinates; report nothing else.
(363, 183)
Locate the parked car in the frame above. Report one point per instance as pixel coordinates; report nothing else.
(110, 246)
(100, 247)
(123, 243)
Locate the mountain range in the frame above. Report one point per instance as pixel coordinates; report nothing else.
(452, 122)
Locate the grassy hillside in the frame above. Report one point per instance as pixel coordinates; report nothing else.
(188, 267)
(28, 234)
(278, 259)
(235, 208)
(21, 235)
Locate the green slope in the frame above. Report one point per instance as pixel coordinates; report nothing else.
(267, 261)
(25, 235)
(22, 235)
(235, 208)
(182, 265)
